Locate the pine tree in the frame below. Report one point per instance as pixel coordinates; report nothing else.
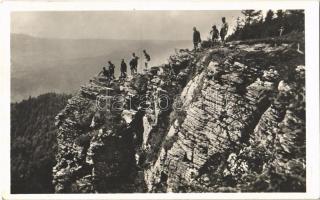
(280, 14)
(251, 16)
(269, 16)
(294, 20)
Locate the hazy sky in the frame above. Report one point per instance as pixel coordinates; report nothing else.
(164, 25)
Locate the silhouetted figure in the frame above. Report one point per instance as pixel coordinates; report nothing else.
(215, 34)
(123, 69)
(104, 72)
(196, 38)
(111, 70)
(224, 29)
(131, 63)
(134, 64)
(147, 58)
(281, 30)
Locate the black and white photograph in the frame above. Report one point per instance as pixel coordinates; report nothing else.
(159, 101)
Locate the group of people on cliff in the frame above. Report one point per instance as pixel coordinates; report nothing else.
(109, 72)
(214, 34)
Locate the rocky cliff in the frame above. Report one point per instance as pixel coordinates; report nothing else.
(224, 119)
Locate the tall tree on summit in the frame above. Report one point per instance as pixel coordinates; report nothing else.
(251, 16)
(269, 16)
(280, 14)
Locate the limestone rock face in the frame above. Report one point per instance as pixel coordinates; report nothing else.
(234, 112)
(98, 134)
(209, 121)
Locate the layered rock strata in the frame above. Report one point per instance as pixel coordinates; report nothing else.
(221, 119)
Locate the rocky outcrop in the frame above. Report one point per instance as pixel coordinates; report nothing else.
(105, 129)
(219, 120)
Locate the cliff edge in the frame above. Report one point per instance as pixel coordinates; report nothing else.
(224, 119)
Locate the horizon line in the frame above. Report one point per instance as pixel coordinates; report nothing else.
(127, 39)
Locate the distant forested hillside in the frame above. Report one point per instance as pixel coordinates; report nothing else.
(33, 142)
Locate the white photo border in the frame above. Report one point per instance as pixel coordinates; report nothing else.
(312, 88)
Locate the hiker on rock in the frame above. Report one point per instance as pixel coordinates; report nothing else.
(224, 29)
(134, 64)
(196, 38)
(123, 69)
(147, 58)
(215, 34)
(281, 30)
(111, 70)
(131, 63)
(104, 72)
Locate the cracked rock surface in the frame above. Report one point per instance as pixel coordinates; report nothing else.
(219, 120)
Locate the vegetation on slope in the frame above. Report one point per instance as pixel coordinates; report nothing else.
(254, 26)
(33, 142)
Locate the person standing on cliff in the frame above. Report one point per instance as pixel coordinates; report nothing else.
(281, 30)
(131, 63)
(123, 69)
(215, 34)
(196, 38)
(111, 70)
(147, 58)
(134, 63)
(224, 30)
